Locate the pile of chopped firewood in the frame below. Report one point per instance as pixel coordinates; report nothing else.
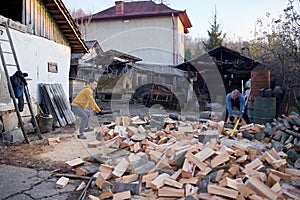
(137, 160)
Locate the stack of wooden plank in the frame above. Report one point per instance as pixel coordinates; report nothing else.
(171, 163)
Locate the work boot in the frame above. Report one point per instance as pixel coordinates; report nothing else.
(88, 129)
(81, 136)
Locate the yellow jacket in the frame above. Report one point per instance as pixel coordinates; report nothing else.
(85, 98)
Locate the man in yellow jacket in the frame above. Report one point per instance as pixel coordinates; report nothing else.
(80, 104)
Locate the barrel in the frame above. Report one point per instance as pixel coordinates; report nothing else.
(264, 110)
(250, 108)
(259, 79)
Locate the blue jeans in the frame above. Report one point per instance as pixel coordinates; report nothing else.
(84, 114)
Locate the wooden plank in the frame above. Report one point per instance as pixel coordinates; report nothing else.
(217, 190)
(260, 188)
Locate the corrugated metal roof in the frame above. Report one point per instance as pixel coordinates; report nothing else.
(136, 9)
(62, 17)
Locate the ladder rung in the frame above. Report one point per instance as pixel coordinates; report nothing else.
(4, 40)
(10, 65)
(8, 52)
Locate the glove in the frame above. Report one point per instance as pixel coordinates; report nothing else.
(231, 118)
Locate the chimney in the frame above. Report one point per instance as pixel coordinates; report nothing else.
(119, 7)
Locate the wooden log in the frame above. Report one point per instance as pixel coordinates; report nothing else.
(278, 134)
(203, 184)
(247, 135)
(219, 159)
(217, 190)
(293, 133)
(134, 187)
(122, 195)
(170, 192)
(101, 182)
(121, 168)
(277, 145)
(293, 155)
(286, 123)
(173, 183)
(158, 182)
(259, 136)
(295, 120)
(149, 177)
(260, 188)
(86, 170)
(106, 194)
(73, 163)
(297, 146)
(283, 137)
(289, 140)
(128, 179)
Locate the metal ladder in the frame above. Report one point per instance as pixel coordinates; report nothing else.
(12, 52)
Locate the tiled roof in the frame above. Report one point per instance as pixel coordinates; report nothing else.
(139, 9)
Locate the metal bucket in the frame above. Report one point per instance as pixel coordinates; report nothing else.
(264, 110)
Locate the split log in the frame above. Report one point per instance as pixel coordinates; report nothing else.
(283, 137)
(247, 135)
(277, 145)
(134, 187)
(293, 133)
(259, 136)
(286, 123)
(289, 140)
(203, 184)
(213, 189)
(278, 134)
(295, 120)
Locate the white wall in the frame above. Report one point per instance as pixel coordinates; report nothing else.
(151, 39)
(33, 54)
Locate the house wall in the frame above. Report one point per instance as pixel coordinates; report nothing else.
(33, 54)
(36, 16)
(151, 39)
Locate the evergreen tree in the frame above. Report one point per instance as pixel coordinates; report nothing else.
(215, 35)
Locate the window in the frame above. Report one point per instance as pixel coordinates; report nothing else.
(52, 67)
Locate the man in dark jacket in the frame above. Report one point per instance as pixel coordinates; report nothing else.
(18, 83)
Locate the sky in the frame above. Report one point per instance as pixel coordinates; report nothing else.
(237, 18)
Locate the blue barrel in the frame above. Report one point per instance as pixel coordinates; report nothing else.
(264, 109)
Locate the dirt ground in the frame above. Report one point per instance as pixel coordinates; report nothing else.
(29, 155)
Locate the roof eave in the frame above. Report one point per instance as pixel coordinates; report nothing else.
(66, 24)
